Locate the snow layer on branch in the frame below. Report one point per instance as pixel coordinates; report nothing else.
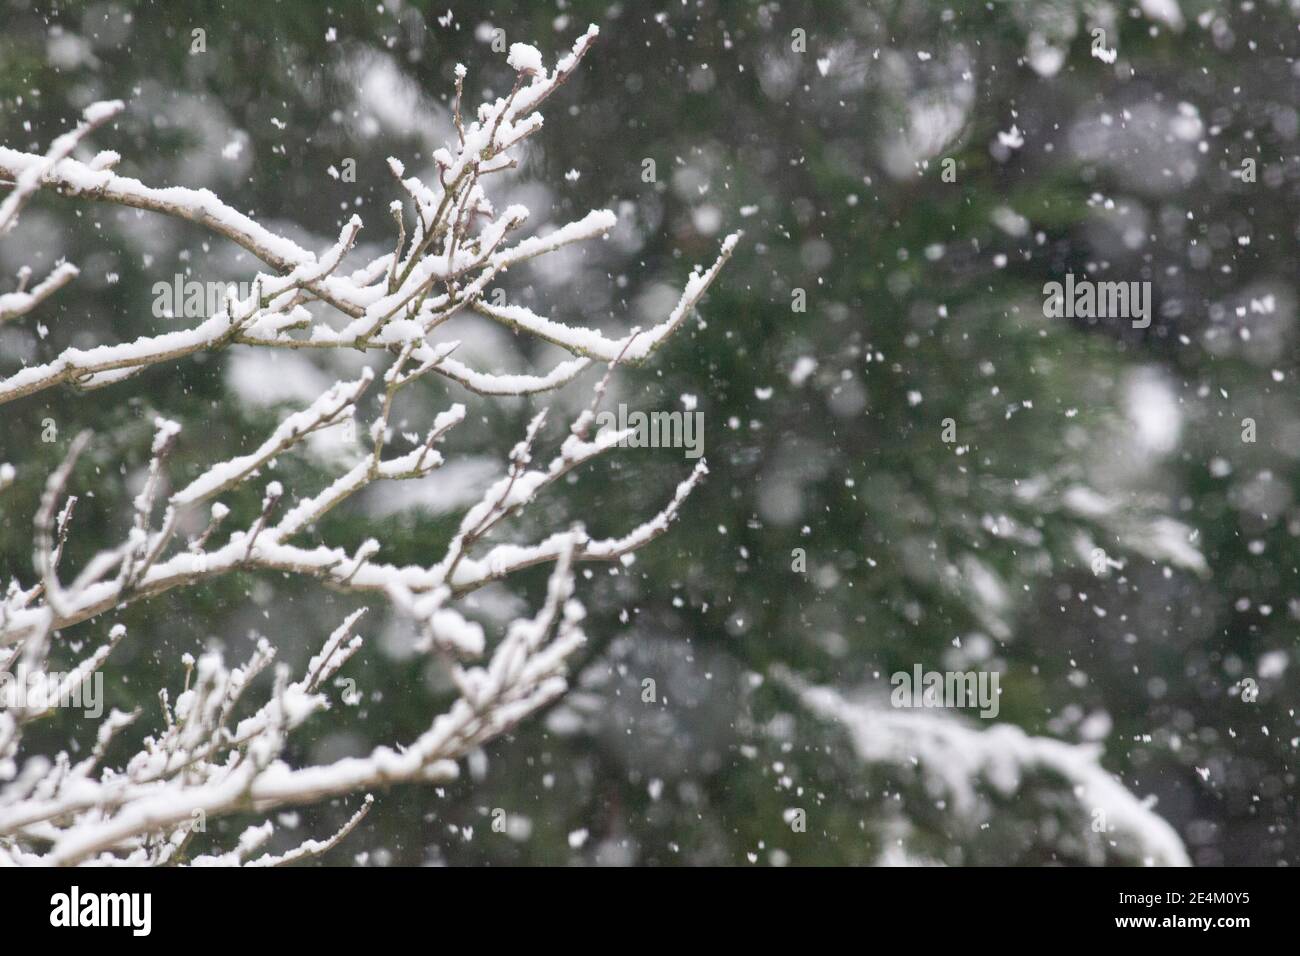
(961, 762)
(200, 205)
(14, 304)
(525, 58)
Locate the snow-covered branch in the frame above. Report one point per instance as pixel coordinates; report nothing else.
(970, 772)
(215, 754)
(456, 246)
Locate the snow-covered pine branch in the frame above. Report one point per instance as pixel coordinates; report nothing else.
(206, 760)
(970, 772)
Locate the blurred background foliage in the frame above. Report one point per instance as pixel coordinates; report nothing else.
(924, 302)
